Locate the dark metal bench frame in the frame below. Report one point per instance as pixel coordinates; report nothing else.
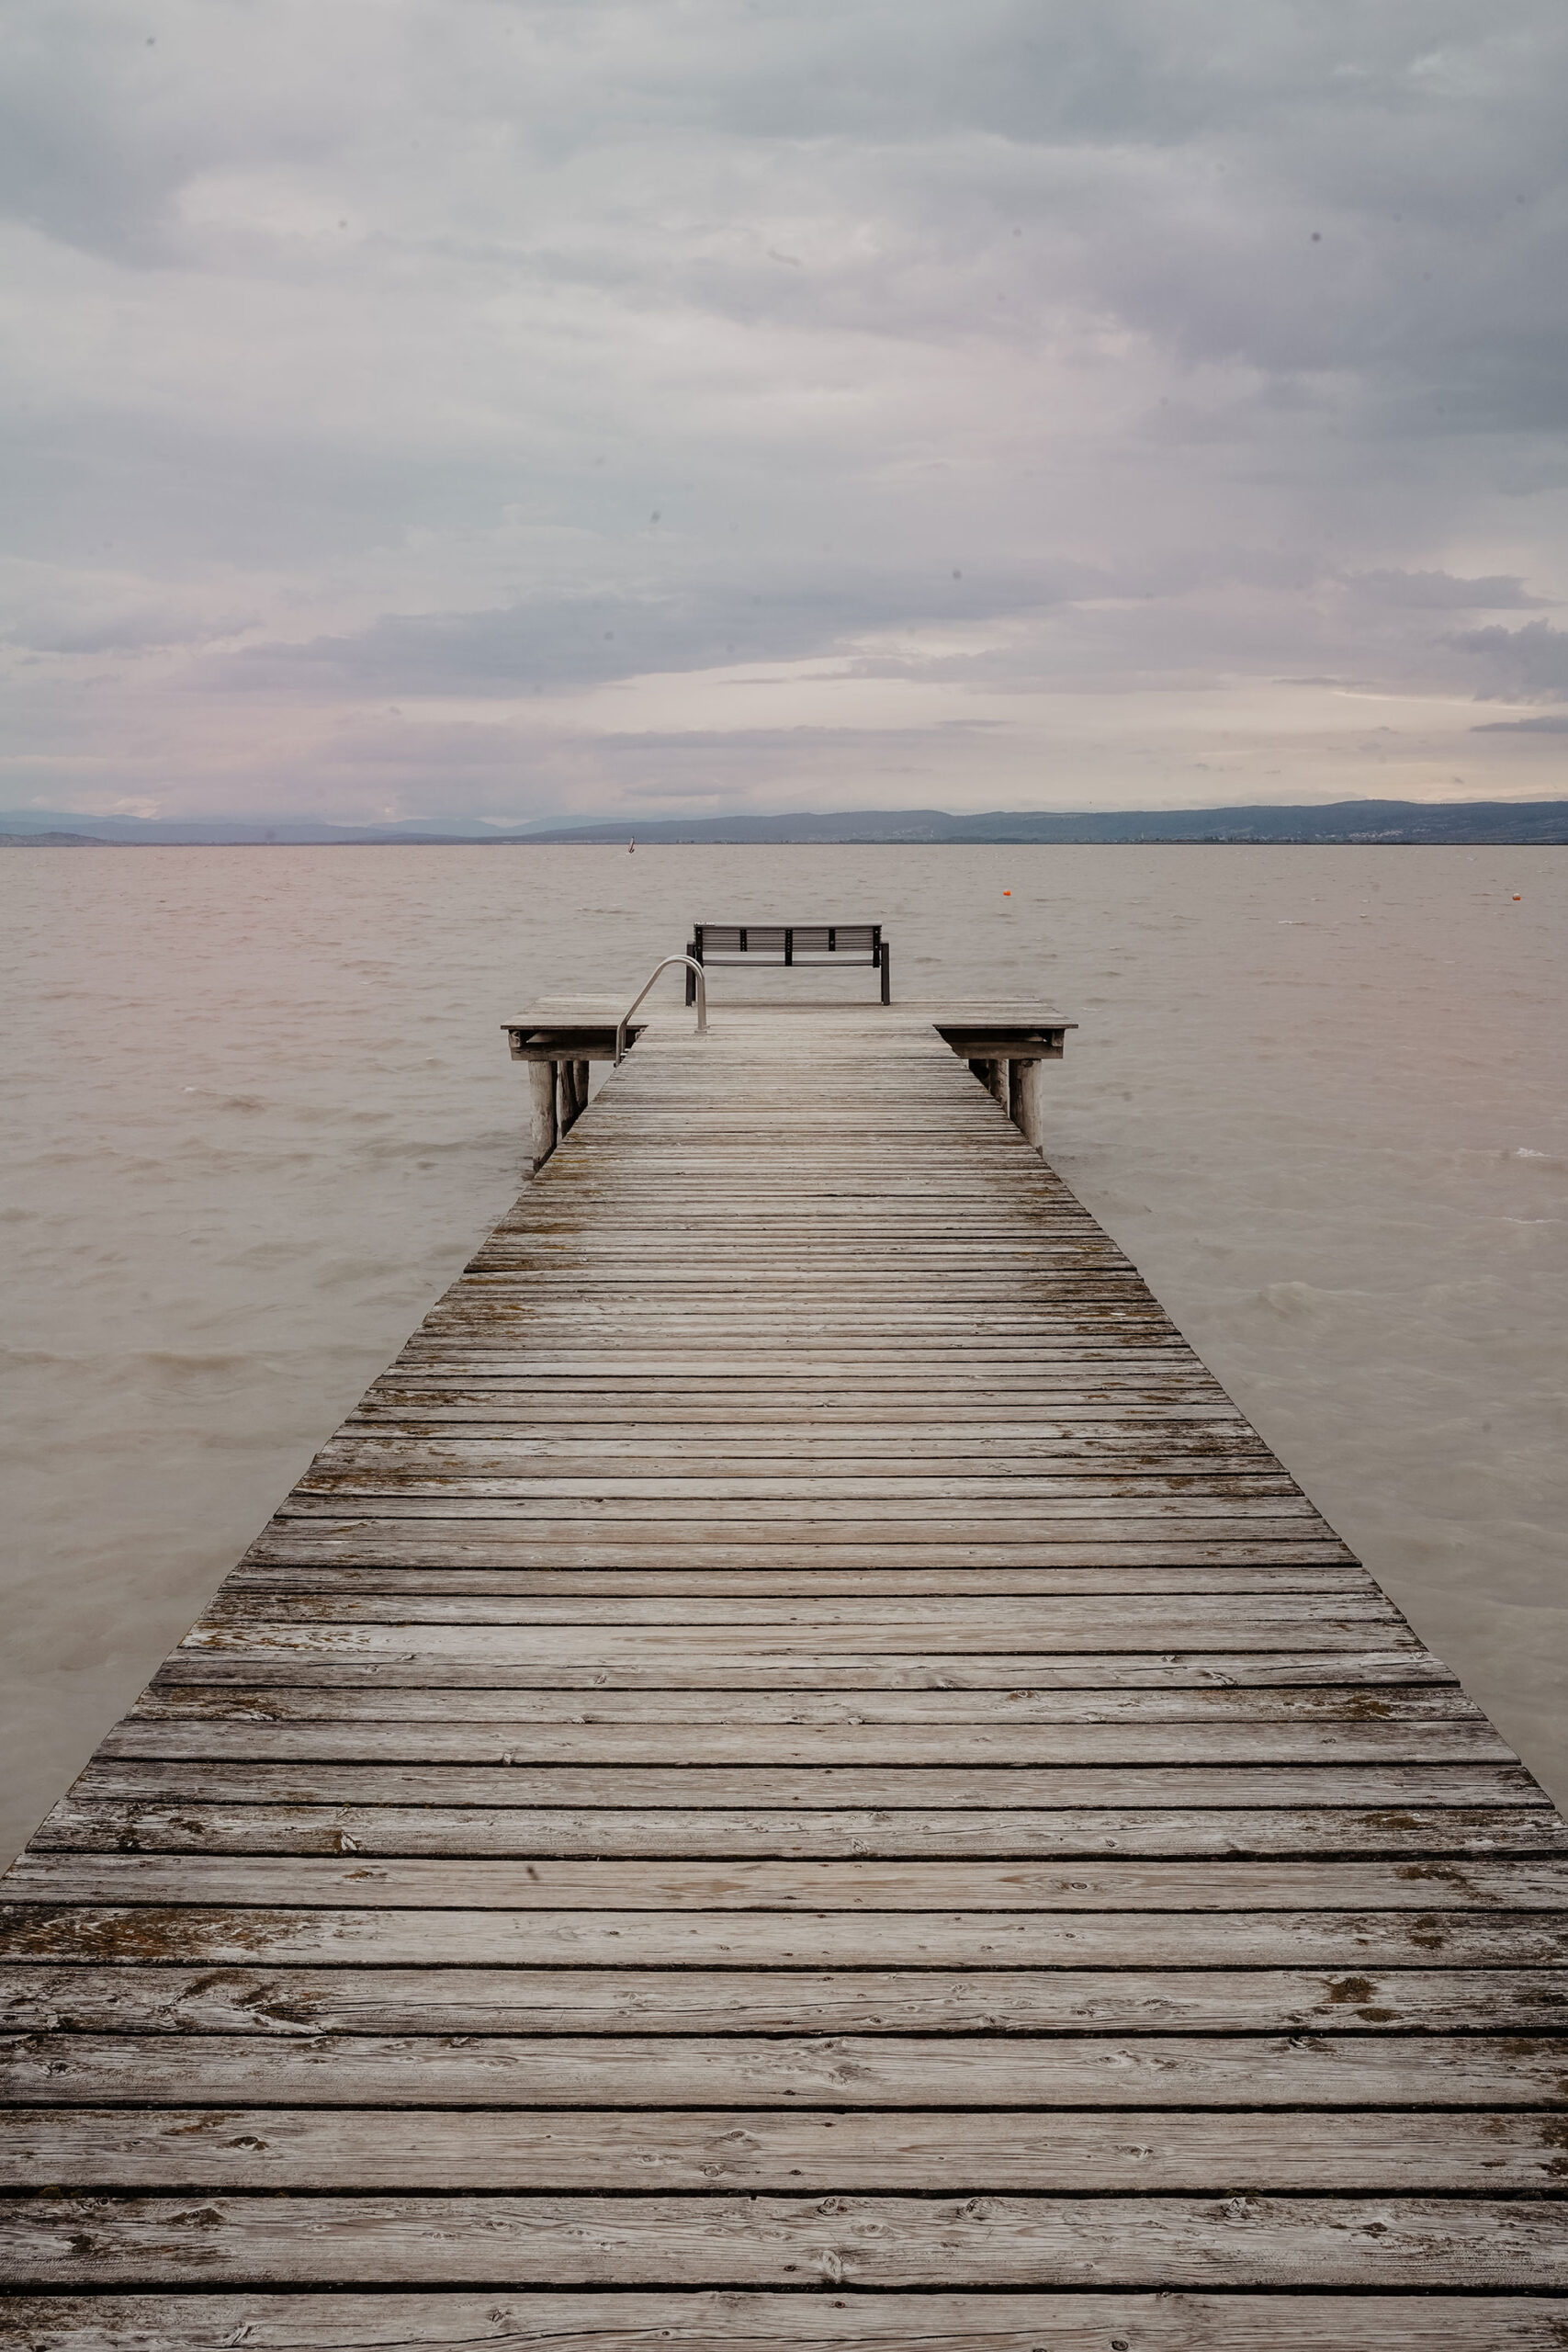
(790, 943)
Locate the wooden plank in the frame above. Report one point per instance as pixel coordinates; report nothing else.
(214, 1825)
(1264, 1686)
(245, 1592)
(1040, 1622)
(1279, 1518)
(761, 2151)
(348, 1934)
(330, 1663)
(129, 1998)
(784, 1243)
(1092, 1384)
(956, 1689)
(925, 1624)
(1093, 1364)
(858, 2071)
(1245, 2241)
(994, 1790)
(480, 1543)
(884, 1289)
(1537, 1883)
(1371, 1689)
(715, 2320)
(1080, 1398)
(490, 1449)
(676, 1738)
(665, 1658)
(1134, 1624)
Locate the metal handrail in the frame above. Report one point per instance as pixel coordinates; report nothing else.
(692, 966)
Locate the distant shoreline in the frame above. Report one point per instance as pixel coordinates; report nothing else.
(1361, 824)
(838, 841)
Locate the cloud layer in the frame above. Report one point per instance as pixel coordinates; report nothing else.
(521, 407)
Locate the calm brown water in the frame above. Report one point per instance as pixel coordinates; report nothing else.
(261, 1110)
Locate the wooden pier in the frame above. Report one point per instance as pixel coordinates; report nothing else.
(795, 1775)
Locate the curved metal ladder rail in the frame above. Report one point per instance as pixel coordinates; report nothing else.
(692, 966)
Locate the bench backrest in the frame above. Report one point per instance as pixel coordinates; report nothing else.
(790, 942)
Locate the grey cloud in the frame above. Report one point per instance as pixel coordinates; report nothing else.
(108, 112)
(135, 631)
(1525, 663)
(80, 486)
(1544, 726)
(1047, 71)
(734, 765)
(1182, 158)
(427, 747)
(725, 739)
(1441, 592)
(546, 641)
(72, 161)
(572, 639)
(1174, 159)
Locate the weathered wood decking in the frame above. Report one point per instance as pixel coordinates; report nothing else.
(795, 1775)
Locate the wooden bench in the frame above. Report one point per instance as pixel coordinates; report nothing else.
(790, 942)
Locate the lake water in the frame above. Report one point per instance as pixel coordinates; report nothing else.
(261, 1110)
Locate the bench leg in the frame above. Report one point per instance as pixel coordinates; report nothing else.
(691, 976)
(887, 974)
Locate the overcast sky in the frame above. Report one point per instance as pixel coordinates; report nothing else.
(425, 408)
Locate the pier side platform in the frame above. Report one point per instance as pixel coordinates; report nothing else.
(796, 1775)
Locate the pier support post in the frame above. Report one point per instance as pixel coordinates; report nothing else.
(1026, 1098)
(542, 1092)
(573, 1093)
(993, 1077)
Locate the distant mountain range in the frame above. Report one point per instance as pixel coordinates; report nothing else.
(1499, 822)
(1344, 820)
